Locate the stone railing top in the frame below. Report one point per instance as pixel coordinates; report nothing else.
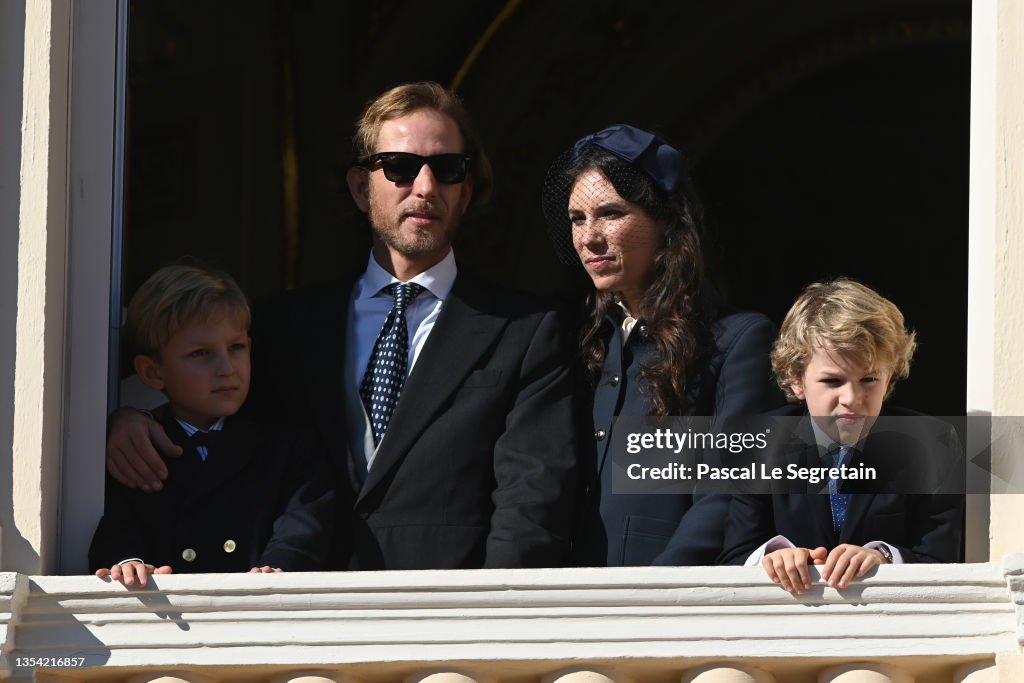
(605, 614)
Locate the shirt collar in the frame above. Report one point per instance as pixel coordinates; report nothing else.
(628, 321)
(191, 429)
(826, 444)
(437, 279)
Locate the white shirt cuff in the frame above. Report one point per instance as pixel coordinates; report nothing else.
(774, 543)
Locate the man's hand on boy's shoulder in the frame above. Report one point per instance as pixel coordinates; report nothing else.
(788, 567)
(131, 572)
(135, 443)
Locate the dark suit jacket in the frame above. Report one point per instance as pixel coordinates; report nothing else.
(925, 528)
(478, 465)
(261, 498)
(640, 529)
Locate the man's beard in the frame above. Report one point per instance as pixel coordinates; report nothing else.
(419, 241)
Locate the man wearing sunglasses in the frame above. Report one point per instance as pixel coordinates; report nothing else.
(445, 401)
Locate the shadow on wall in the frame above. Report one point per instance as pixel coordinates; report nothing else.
(12, 49)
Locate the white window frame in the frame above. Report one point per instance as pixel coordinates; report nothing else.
(95, 199)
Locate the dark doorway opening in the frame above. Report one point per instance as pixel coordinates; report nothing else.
(826, 138)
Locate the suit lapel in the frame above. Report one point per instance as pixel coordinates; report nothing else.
(815, 510)
(228, 453)
(855, 513)
(460, 336)
(860, 500)
(805, 452)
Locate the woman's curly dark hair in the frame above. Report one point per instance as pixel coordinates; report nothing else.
(673, 308)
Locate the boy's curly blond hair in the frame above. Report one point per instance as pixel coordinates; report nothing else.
(844, 315)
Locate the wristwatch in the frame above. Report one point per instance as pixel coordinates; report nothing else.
(886, 553)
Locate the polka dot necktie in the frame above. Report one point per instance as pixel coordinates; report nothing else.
(838, 501)
(385, 373)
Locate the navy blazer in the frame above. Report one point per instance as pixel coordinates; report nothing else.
(262, 497)
(925, 528)
(639, 529)
(478, 465)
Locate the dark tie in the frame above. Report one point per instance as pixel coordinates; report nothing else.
(385, 373)
(201, 438)
(201, 441)
(838, 501)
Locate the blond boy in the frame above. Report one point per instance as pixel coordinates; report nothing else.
(244, 496)
(840, 352)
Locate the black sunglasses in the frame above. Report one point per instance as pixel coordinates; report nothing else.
(403, 167)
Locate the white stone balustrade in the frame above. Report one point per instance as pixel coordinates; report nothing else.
(925, 623)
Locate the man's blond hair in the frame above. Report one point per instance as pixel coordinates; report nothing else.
(180, 295)
(409, 97)
(848, 317)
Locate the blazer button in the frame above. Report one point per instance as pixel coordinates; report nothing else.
(188, 555)
(364, 515)
(229, 546)
(600, 434)
(615, 381)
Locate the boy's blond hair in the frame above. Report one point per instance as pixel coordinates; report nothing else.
(846, 316)
(179, 295)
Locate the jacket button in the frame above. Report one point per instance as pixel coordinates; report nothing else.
(364, 515)
(229, 546)
(599, 434)
(615, 381)
(188, 555)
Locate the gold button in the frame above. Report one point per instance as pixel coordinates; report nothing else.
(189, 555)
(229, 546)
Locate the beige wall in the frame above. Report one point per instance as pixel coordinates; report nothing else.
(29, 522)
(1007, 510)
(997, 231)
(55, 213)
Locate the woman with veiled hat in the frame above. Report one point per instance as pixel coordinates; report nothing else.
(655, 341)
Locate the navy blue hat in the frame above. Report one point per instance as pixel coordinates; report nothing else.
(659, 160)
(644, 154)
